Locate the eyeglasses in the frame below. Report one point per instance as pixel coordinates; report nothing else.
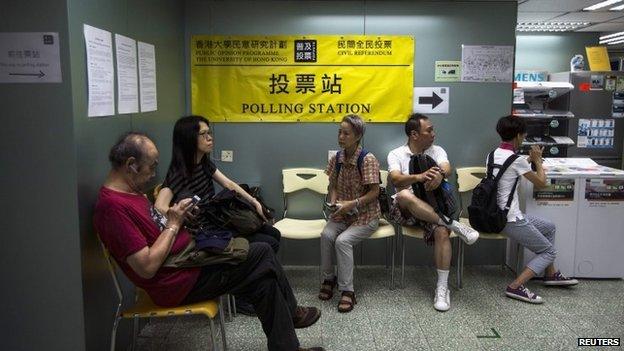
(205, 133)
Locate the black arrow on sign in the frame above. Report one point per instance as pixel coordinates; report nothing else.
(40, 74)
(433, 100)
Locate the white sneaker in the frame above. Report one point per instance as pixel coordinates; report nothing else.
(442, 299)
(467, 234)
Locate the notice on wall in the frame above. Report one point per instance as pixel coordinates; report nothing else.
(30, 58)
(610, 82)
(603, 189)
(518, 96)
(311, 78)
(597, 82)
(431, 100)
(487, 63)
(127, 83)
(447, 71)
(595, 133)
(147, 77)
(557, 189)
(598, 58)
(100, 75)
(619, 84)
(617, 108)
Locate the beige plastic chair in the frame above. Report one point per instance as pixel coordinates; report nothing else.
(467, 179)
(386, 229)
(145, 308)
(293, 180)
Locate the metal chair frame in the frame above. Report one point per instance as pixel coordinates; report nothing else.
(467, 180)
(157, 312)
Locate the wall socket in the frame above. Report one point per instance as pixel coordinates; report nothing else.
(227, 155)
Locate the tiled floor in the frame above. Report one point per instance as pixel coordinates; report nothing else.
(404, 319)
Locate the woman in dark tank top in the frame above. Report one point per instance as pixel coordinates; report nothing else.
(191, 172)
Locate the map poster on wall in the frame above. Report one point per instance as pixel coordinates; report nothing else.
(602, 189)
(487, 63)
(312, 78)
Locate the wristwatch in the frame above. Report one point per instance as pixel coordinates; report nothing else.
(173, 229)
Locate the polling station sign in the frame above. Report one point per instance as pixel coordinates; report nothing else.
(312, 78)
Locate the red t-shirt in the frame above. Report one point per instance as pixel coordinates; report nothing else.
(125, 225)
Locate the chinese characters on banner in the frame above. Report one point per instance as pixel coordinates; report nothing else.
(302, 78)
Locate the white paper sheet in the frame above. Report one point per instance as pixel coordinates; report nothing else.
(30, 58)
(487, 63)
(569, 161)
(100, 71)
(147, 77)
(127, 79)
(562, 140)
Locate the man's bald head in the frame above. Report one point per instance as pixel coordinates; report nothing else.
(131, 144)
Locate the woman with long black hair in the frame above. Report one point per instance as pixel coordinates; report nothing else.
(191, 172)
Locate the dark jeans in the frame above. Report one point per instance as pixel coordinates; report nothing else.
(266, 234)
(259, 279)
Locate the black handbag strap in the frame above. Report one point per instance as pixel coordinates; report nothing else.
(490, 171)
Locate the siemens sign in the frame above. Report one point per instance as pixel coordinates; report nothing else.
(530, 76)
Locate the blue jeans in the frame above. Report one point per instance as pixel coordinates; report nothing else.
(537, 235)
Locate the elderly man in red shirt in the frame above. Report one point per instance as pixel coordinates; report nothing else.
(140, 239)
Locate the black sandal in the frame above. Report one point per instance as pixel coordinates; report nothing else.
(348, 302)
(327, 289)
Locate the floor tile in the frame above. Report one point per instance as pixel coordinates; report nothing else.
(404, 318)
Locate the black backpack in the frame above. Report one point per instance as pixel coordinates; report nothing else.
(483, 212)
(230, 211)
(383, 198)
(440, 199)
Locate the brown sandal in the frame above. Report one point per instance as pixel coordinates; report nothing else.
(347, 299)
(327, 289)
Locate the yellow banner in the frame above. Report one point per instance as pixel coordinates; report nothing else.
(312, 78)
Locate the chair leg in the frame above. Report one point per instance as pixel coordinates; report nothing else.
(392, 268)
(233, 305)
(504, 257)
(402, 261)
(386, 253)
(229, 307)
(457, 265)
(460, 268)
(519, 258)
(213, 335)
(114, 333)
(135, 332)
(222, 324)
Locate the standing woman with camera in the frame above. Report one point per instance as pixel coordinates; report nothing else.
(191, 172)
(353, 190)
